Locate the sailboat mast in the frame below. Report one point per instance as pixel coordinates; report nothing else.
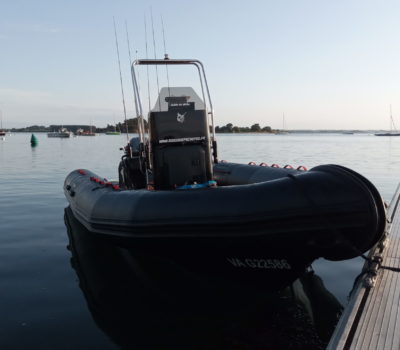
(283, 122)
(392, 124)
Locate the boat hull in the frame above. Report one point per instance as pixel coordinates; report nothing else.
(248, 263)
(263, 227)
(260, 219)
(58, 134)
(388, 134)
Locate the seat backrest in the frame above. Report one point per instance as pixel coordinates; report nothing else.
(180, 146)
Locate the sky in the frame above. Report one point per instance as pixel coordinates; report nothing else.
(323, 64)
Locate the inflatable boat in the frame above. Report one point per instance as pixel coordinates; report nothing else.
(258, 224)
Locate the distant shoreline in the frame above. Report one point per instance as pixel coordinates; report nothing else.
(226, 129)
(300, 131)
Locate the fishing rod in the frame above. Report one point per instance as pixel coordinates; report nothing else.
(120, 77)
(165, 55)
(130, 56)
(139, 124)
(155, 56)
(147, 57)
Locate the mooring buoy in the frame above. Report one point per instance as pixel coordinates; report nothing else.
(34, 140)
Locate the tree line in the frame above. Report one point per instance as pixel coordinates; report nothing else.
(133, 128)
(229, 128)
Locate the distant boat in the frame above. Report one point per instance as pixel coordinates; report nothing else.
(388, 134)
(62, 133)
(78, 132)
(283, 131)
(348, 133)
(2, 131)
(393, 131)
(81, 132)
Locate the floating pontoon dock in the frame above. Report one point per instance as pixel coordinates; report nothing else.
(371, 320)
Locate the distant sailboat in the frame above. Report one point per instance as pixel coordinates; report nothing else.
(2, 131)
(62, 133)
(393, 131)
(283, 131)
(88, 133)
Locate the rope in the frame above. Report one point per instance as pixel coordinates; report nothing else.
(378, 260)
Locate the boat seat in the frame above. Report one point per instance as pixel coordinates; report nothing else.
(180, 147)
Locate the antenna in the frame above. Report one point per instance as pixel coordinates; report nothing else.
(155, 56)
(120, 77)
(165, 54)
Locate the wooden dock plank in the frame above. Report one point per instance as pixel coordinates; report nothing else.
(387, 343)
(396, 336)
(381, 329)
(371, 319)
(368, 319)
(385, 298)
(389, 327)
(374, 332)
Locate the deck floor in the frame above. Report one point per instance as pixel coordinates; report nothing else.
(371, 320)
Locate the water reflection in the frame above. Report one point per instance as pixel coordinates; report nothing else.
(142, 301)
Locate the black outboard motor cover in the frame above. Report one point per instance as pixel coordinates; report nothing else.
(130, 171)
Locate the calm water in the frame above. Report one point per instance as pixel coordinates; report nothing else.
(41, 302)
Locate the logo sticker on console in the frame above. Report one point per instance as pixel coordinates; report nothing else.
(181, 117)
